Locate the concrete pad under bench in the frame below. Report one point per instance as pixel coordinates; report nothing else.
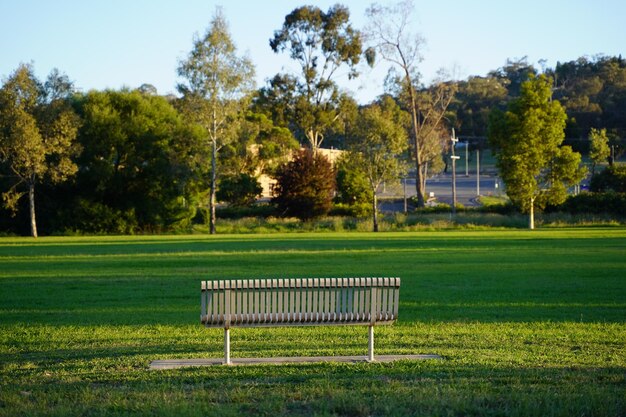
(185, 363)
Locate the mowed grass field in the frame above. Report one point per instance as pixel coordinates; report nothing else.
(528, 324)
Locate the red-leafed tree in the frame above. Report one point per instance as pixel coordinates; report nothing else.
(305, 186)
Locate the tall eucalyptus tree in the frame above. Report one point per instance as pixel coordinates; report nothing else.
(390, 35)
(321, 43)
(216, 92)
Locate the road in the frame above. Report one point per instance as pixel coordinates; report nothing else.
(439, 188)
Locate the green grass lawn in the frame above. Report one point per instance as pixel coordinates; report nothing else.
(528, 323)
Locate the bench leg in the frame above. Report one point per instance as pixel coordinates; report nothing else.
(227, 347)
(370, 350)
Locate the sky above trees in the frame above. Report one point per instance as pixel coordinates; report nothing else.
(128, 43)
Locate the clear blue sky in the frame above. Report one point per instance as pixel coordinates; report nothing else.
(113, 43)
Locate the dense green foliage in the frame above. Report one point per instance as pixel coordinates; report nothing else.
(136, 148)
(591, 89)
(474, 102)
(527, 324)
(260, 146)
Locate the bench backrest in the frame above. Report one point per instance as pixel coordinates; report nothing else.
(299, 302)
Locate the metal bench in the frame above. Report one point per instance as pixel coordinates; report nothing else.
(299, 302)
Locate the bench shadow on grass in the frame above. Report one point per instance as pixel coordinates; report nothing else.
(410, 312)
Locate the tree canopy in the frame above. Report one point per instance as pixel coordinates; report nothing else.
(377, 146)
(599, 150)
(321, 43)
(391, 35)
(527, 139)
(216, 91)
(138, 154)
(37, 135)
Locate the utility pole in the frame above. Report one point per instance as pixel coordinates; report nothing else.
(405, 203)
(466, 158)
(477, 172)
(454, 140)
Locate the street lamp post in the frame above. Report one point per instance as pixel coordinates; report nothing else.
(454, 140)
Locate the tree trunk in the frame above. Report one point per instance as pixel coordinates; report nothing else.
(421, 193)
(531, 215)
(213, 188)
(375, 210)
(419, 180)
(31, 201)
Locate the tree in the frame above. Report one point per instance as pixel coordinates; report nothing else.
(527, 140)
(475, 99)
(258, 148)
(305, 186)
(138, 166)
(514, 73)
(148, 89)
(376, 148)
(37, 134)
(593, 92)
(389, 32)
(599, 150)
(433, 143)
(321, 43)
(353, 189)
(218, 83)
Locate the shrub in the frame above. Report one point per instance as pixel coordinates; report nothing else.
(352, 210)
(239, 190)
(97, 218)
(305, 186)
(235, 212)
(613, 178)
(596, 203)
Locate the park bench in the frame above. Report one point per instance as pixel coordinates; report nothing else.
(299, 302)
